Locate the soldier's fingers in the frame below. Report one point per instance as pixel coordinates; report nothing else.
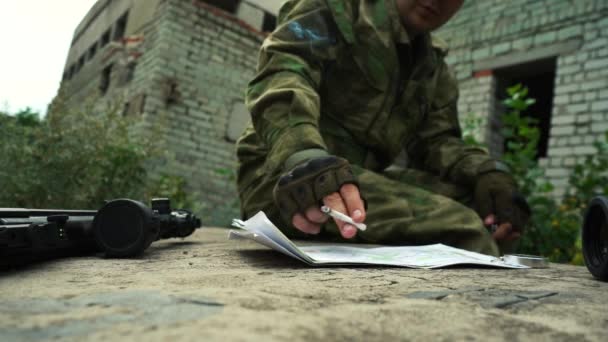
(489, 220)
(315, 215)
(503, 231)
(354, 203)
(335, 202)
(300, 222)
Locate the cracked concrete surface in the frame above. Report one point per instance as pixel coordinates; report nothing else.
(208, 288)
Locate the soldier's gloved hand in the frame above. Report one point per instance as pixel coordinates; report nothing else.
(499, 203)
(327, 180)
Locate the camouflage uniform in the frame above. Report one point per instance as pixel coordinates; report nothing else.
(343, 78)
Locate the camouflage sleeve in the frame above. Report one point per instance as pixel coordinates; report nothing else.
(283, 97)
(438, 146)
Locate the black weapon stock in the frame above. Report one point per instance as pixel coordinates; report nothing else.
(121, 228)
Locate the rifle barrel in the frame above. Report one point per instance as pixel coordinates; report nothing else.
(22, 212)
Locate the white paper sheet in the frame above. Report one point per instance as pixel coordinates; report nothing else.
(259, 228)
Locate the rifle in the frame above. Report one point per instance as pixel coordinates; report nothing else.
(121, 228)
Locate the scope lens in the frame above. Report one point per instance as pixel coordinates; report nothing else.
(124, 228)
(121, 227)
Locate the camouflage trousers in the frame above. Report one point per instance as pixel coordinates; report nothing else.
(405, 207)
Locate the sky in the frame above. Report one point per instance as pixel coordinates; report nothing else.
(35, 37)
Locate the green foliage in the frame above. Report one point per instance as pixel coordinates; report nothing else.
(554, 230)
(28, 118)
(230, 175)
(76, 159)
(470, 128)
(174, 188)
(589, 178)
(522, 136)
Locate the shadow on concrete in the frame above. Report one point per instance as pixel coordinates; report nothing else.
(16, 264)
(172, 245)
(267, 258)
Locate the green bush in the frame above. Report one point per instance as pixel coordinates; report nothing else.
(77, 160)
(471, 125)
(554, 230)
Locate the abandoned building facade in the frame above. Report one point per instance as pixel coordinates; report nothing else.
(190, 60)
(187, 61)
(558, 49)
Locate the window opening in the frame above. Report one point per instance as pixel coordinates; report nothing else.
(70, 72)
(92, 51)
(170, 90)
(105, 38)
(226, 5)
(270, 22)
(121, 25)
(106, 75)
(539, 77)
(126, 110)
(80, 63)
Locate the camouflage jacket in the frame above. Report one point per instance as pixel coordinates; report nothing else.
(343, 77)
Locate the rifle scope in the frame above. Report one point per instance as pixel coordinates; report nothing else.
(121, 228)
(126, 227)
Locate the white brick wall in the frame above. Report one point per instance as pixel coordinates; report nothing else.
(211, 58)
(580, 105)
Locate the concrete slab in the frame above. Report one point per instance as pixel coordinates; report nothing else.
(207, 288)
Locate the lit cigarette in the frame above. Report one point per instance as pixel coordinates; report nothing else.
(338, 215)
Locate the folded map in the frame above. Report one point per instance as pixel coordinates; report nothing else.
(260, 229)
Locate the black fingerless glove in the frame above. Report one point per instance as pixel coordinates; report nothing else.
(308, 183)
(496, 193)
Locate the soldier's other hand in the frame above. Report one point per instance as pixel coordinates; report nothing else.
(498, 202)
(323, 180)
(504, 231)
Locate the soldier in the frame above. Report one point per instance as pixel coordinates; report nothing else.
(342, 87)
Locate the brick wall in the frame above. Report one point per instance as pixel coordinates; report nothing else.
(487, 35)
(210, 56)
(190, 65)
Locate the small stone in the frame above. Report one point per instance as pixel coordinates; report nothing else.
(536, 294)
(437, 295)
(502, 302)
